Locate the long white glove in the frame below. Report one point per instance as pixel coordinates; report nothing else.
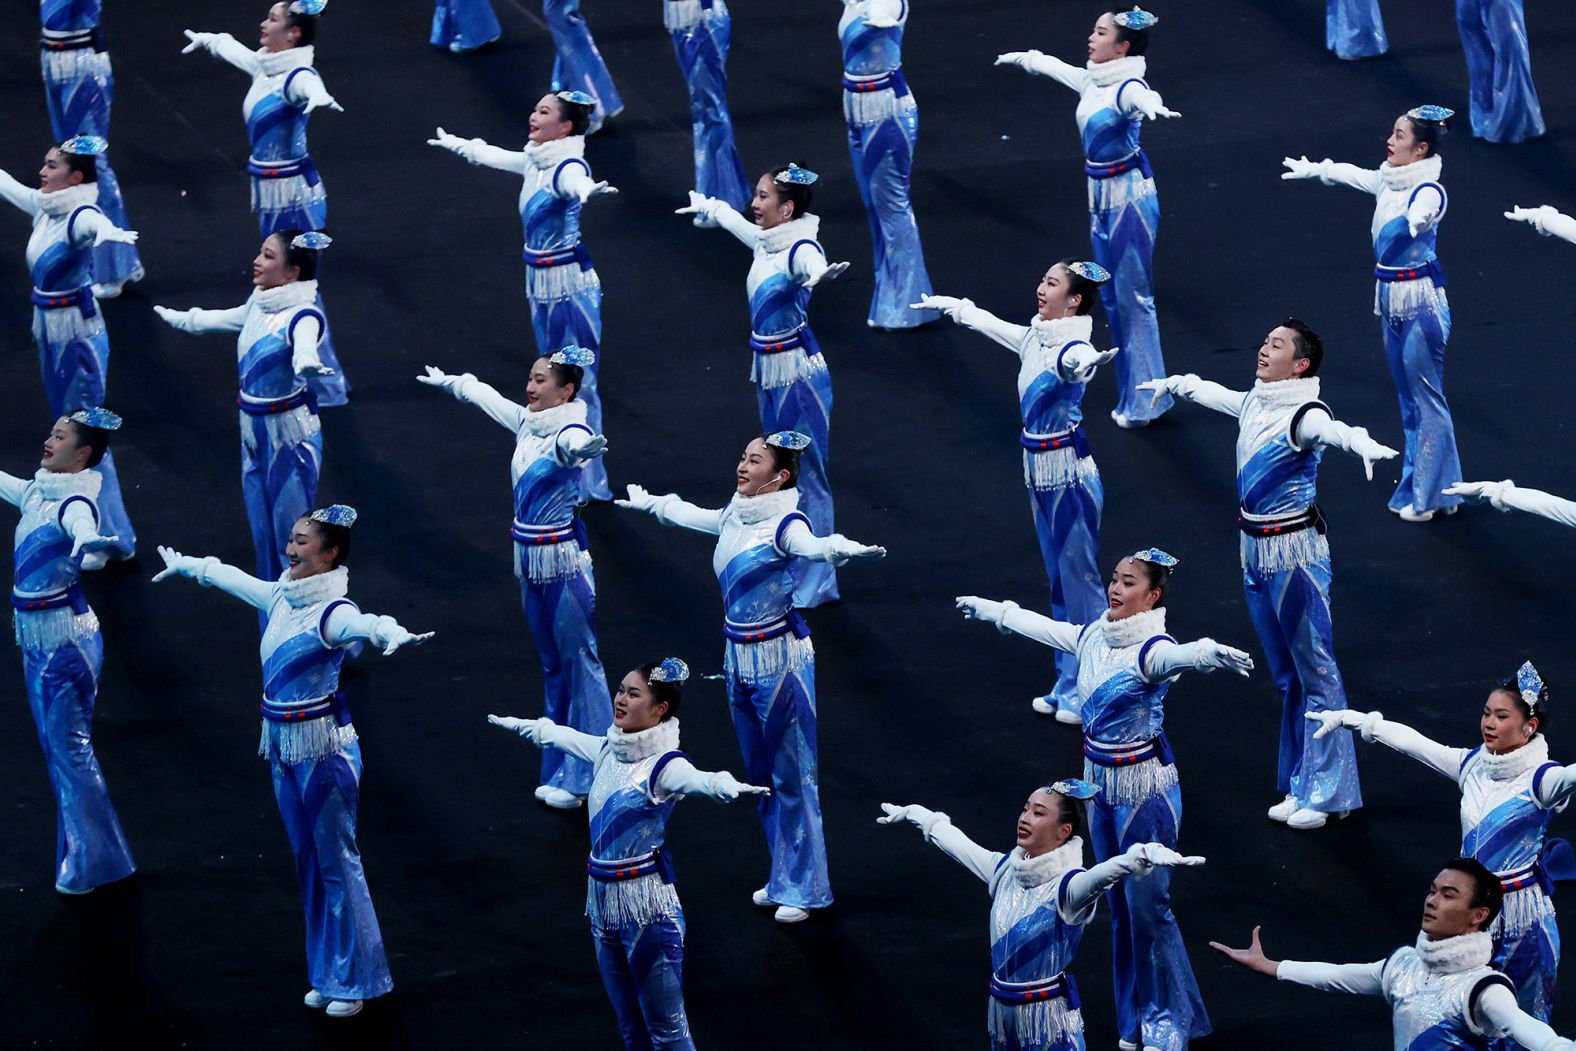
(725, 788)
(920, 817)
(1203, 655)
(1547, 220)
(989, 610)
(105, 232)
(1493, 492)
(839, 550)
(1021, 59)
(90, 541)
(1320, 427)
(641, 500)
(1146, 857)
(454, 144)
(828, 273)
(391, 635)
(1360, 443)
(1346, 719)
(179, 320)
(1194, 388)
(948, 305)
(445, 381)
(700, 204)
(1302, 168)
(580, 447)
(1081, 361)
(530, 729)
(1149, 103)
(1508, 496)
(304, 361)
(196, 41)
(177, 564)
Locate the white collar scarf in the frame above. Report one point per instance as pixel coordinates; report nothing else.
(543, 155)
(319, 587)
(1453, 955)
(62, 202)
(1299, 390)
(643, 744)
(804, 228)
(1130, 631)
(1409, 175)
(1507, 766)
(1059, 330)
(754, 509)
(273, 63)
(548, 421)
(1105, 74)
(57, 485)
(1037, 871)
(283, 297)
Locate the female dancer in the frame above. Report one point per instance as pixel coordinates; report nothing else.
(1547, 220)
(636, 920)
(464, 25)
(1354, 28)
(311, 745)
(700, 31)
(1504, 103)
(79, 87)
(281, 438)
(560, 282)
(1409, 298)
(1124, 212)
(62, 650)
(1041, 900)
(578, 66)
(551, 559)
(883, 124)
(1509, 792)
(793, 388)
(73, 347)
(1065, 492)
(1126, 664)
(767, 655)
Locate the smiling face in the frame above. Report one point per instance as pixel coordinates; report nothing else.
(634, 708)
(1102, 41)
(1129, 591)
(757, 472)
(277, 32)
(306, 552)
(1053, 298)
(269, 269)
(1448, 911)
(1278, 356)
(1504, 727)
(768, 206)
(542, 389)
(547, 122)
(1402, 147)
(64, 451)
(1040, 826)
(56, 174)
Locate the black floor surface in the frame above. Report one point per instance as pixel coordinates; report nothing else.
(480, 889)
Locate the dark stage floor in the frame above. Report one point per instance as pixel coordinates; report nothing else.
(479, 888)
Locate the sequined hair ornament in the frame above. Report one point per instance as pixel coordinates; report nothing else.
(791, 440)
(578, 98)
(1137, 18)
(671, 670)
(793, 175)
(313, 239)
(1090, 271)
(573, 356)
(307, 7)
(85, 145)
(1157, 556)
(1431, 114)
(335, 515)
(1074, 788)
(101, 418)
(1530, 683)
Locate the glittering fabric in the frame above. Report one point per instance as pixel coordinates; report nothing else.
(464, 25)
(700, 43)
(1504, 102)
(276, 120)
(578, 65)
(1354, 28)
(1431, 1009)
(642, 969)
(1031, 940)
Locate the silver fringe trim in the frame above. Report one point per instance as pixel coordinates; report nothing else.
(275, 195)
(547, 563)
(1272, 554)
(1405, 300)
(293, 743)
(682, 15)
(863, 109)
(285, 429)
(549, 284)
(642, 900)
(784, 368)
(761, 663)
(1057, 468)
(49, 629)
(1119, 191)
(1523, 910)
(1039, 1024)
(1131, 785)
(62, 325)
(67, 67)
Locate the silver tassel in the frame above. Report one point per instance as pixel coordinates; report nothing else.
(49, 629)
(1272, 554)
(1057, 468)
(546, 563)
(1039, 1024)
(761, 663)
(549, 284)
(69, 67)
(275, 195)
(293, 743)
(1119, 191)
(1407, 299)
(285, 429)
(64, 325)
(784, 368)
(642, 900)
(866, 108)
(1523, 910)
(683, 15)
(1131, 785)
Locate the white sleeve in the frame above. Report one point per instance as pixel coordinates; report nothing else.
(1209, 394)
(486, 154)
(1537, 502)
(1425, 208)
(566, 739)
(675, 512)
(1559, 225)
(346, 624)
(198, 320)
(24, 197)
(242, 585)
(989, 325)
(1496, 1006)
(85, 228)
(1042, 629)
(1556, 786)
(80, 521)
(304, 338)
(486, 398)
(1336, 173)
(225, 47)
(1318, 426)
(1407, 741)
(730, 220)
(572, 179)
(1062, 72)
(963, 850)
(1364, 979)
(1140, 99)
(885, 12)
(570, 446)
(307, 86)
(1084, 888)
(809, 261)
(680, 777)
(12, 488)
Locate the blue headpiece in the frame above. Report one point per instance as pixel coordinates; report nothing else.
(1090, 271)
(794, 175)
(335, 514)
(788, 440)
(670, 670)
(1137, 18)
(1432, 114)
(101, 418)
(572, 355)
(1074, 788)
(307, 7)
(85, 145)
(1530, 683)
(1157, 556)
(579, 98)
(313, 239)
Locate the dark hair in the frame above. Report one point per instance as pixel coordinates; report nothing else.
(85, 163)
(1071, 811)
(565, 374)
(303, 259)
(1137, 40)
(1489, 893)
(1429, 132)
(1080, 286)
(577, 114)
(1159, 577)
(95, 438)
(334, 536)
(796, 194)
(1510, 686)
(667, 693)
(784, 460)
(304, 22)
(1307, 346)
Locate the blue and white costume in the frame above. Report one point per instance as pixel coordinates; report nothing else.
(79, 87)
(464, 25)
(1443, 995)
(1414, 315)
(578, 65)
(62, 654)
(701, 30)
(553, 563)
(73, 347)
(560, 282)
(770, 667)
(1354, 28)
(280, 330)
(883, 126)
(636, 920)
(1124, 211)
(1504, 102)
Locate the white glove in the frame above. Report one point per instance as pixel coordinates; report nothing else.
(1536, 216)
(1212, 655)
(393, 636)
(599, 189)
(590, 448)
(700, 204)
(526, 728)
(1302, 168)
(1146, 856)
(180, 320)
(831, 271)
(840, 550)
(1362, 444)
(91, 543)
(177, 564)
(640, 500)
(305, 362)
(107, 233)
(316, 103)
(1329, 722)
(948, 305)
(198, 40)
(914, 814)
(454, 144)
(988, 610)
(1084, 361)
(444, 381)
(1021, 59)
(726, 788)
(1166, 385)
(1493, 492)
(1152, 109)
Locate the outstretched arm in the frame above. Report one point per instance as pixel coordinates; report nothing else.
(1363, 978)
(1375, 727)
(810, 265)
(198, 320)
(12, 488)
(544, 733)
(1318, 426)
(1333, 173)
(1507, 496)
(225, 47)
(574, 180)
(938, 828)
(1008, 617)
(1547, 220)
(479, 151)
(837, 549)
(1204, 392)
(1426, 208)
(1166, 659)
(884, 14)
(346, 624)
(81, 523)
(307, 90)
(1041, 64)
(670, 510)
(724, 215)
(210, 572)
(24, 197)
(467, 388)
(1139, 860)
(1141, 98)
(92, 227)
(680, 778)
(965, 313)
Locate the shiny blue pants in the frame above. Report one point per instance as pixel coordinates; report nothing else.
(1416, 350)
(62, 686)
(806, 407)
(883, 157)
(1531, 960)
(578, 65)
(464, 25)
(344, 946)
(1354, 28)
(642, 969)
(577, 321)
(702, 53)
(1123, 241)
(562, 617)
(1067, 522)
(279, 485)
(1504, 103)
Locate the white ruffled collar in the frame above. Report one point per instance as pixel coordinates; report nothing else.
(57, 485)
(1453, 955)
(1039, 870)
(319, 587)
(1507, 766)
(61, 202)
(1407, 176)
(1130, 631)
(1059, 330)
(551, 154)
(643, 744)
(783, 235)
(1299, 390)
(273, 63)
(542, 422)
(1104, 74)
(753, 509)
(283, 297)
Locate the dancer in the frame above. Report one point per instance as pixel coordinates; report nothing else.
(1065, 492)
(560, 282)
(62, 649)
(1409, 298)
(1284, 430)
(551, 556)
(1354, 29)
(578, 65)
(793, 389)
(883, 124)
(1126, 664)
(464, 25)
(1041, 900)
(1504, 102)
(701, 30)
(767, 655)
(1508, 496)
(1509, 793)
(79, 88)
(308, 740)
(73, 346)
(637, 923)
(1124, 212)
(1547, 220)
(1442, 991)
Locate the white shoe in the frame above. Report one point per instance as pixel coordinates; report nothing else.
(315, 1000)
(761, 898)
(559, 798)
(343, 1008)
(790, 914)
(1283, 810)
(1408, 515)
(1126, 1045)
(1125, 423)
(1044, 705)
(542, 790)
(1308, 819)
(73, 891)
(95, 560)
(1068, 717)
(108, 289)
